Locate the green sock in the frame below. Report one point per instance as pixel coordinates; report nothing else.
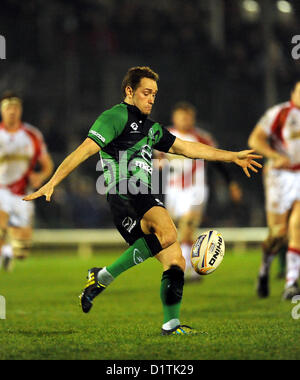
(135, 254)
(171, 303)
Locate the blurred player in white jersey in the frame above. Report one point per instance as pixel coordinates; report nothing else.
(186, 187)
(277, 137)
(22, 147)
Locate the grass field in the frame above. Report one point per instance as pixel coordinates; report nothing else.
(44, 320)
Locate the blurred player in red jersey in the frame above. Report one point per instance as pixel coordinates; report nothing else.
(277, 137)
(186, 187)
(22, 147)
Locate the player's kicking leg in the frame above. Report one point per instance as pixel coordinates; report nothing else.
(159, 240)
(158, 219)
(92, 289)
(99, 278)
(276, 241)
(293, 254)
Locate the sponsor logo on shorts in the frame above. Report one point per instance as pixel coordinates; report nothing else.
(137, 258)
(100, 137)
(128, 223)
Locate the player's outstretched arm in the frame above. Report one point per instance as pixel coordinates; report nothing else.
(245, 159)
(82, 153)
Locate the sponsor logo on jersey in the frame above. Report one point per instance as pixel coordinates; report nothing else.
(151, 134)
(14, 157)
(100, 137)
(128, 223)
(154, 136)
(146, 153)
(134, 126)
(294, 135)
(144, 166)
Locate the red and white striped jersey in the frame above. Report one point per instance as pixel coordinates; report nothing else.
(282, 125)
(19, 153)
(184, 169)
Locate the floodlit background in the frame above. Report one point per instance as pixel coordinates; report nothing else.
(230, 58)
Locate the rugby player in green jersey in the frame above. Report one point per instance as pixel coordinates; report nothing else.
(125, 138)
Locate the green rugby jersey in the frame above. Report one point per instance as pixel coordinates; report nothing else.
(127, 139)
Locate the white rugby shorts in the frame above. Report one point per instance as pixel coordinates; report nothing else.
(282, 189)
(20, 212)
(180, 201)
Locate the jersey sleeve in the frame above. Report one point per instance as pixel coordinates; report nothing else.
(40, 144)
(205, 137)
(43, 146)
(109, 125)
(267, 120)
(37, 137)
(165, 142)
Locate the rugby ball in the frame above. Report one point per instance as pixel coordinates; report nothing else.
(208, 252)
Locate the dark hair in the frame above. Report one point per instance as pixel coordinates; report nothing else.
(134, 76)
(9, 94)
(184, 106)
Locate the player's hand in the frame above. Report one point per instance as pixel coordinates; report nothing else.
(281, 161)
(46, 190)
(246, 160)
(36, 180)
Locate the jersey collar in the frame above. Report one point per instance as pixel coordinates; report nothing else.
(135, 111)
(21, 126)
(293, 105)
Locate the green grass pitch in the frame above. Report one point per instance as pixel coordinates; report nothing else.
(44, 320)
